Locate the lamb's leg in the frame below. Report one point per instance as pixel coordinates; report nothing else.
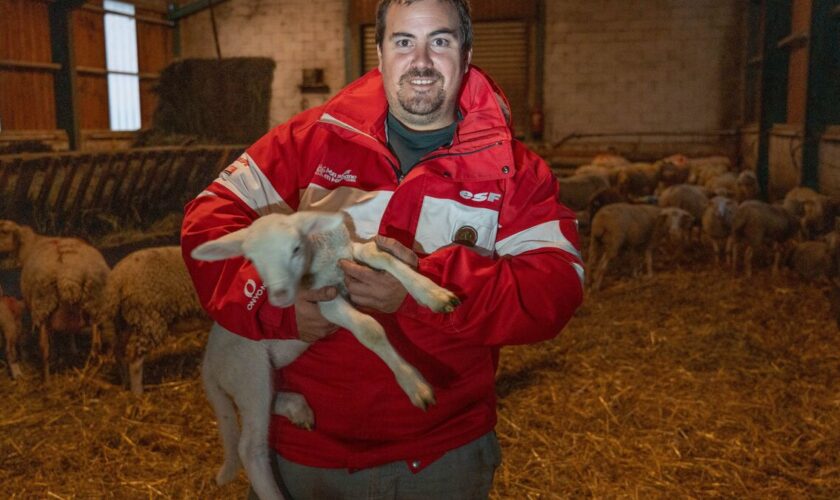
(716, 251)
(294, 407)
(649, 261)
(253, 398)
(426, 291)
(11, 351)
(600, 270)
(777, 256)
(95, 345)
(371, 334)
(44, 343)
(227, 423)
(135, 372)
(748, 256)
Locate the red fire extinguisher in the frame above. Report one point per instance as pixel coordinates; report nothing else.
(537, 124)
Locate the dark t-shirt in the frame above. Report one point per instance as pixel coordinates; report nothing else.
(411, 145)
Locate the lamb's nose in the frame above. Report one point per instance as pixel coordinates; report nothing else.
(279, 297)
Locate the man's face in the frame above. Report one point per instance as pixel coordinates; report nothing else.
(421, 63)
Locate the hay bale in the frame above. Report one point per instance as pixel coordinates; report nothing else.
(211, 101)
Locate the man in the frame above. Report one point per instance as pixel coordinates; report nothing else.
(418, 154)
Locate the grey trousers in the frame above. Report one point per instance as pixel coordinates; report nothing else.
(465, 473)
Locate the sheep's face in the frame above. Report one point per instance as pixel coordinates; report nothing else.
(278, 247)
(676, 221)
(9, 239)
(281, 254)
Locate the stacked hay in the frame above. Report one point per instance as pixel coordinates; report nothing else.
(211, 101)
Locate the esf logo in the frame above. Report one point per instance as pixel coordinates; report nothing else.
(489, 197)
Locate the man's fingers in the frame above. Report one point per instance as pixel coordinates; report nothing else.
(396, 249)
(356, 271)
(319, 294)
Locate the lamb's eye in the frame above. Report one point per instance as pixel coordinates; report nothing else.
(296, 250)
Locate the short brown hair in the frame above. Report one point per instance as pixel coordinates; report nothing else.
(461, 6)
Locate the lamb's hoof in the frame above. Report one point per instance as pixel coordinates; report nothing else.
(226, 474)
(441, 300)
(14, 368)
(294, 407)
(418, 390)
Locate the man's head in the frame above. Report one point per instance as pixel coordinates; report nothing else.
(424, 48)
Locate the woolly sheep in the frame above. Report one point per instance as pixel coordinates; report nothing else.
(747, 186)
(621, 226)
(11, 312)
(284, 248)
(148, 293)
(62, 281)
(692, 199)
(576, 190)
(717, 224)
(638, 179)
(815, 211)
(814, 260)
(725, 184)
(756, 222)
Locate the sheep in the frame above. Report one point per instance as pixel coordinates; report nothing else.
(673, 170)
(576, 190)
(704, 169)
(725, 184)
(11, 312)
(747, 186)
(756, 222)
(814, 260)
(148, 293)
(605, 172)
(603, 198)
(610, 160)
(637, 227)
(717, 224)
(638, 179)
(692, 199)
(62, 281)
(285, 248)
(815, 211)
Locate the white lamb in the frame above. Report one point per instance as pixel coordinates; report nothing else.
(284, 249)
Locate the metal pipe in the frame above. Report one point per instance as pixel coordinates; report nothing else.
(703, 133)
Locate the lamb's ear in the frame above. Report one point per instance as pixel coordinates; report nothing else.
(229, 245)
(321, 223)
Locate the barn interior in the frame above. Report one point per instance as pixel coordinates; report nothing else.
(701, 379)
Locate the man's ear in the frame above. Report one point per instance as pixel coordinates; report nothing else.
(467, 62)
(379, 56)
(229, 245)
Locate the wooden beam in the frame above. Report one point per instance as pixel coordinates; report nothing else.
(44, 66)
(191, 8)
(65, 84)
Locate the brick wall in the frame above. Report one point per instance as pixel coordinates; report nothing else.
(297, 34)
(642, 66)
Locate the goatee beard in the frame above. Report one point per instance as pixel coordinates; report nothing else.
(421, 104)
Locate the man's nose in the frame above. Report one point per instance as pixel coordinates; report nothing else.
(421, 57)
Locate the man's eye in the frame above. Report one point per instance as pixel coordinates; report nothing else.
(440, 42)
(403, 43)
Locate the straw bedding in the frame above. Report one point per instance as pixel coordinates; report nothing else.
(693, 384)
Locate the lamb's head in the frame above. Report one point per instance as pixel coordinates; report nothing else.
(9, 237)
(278, 247)
(724, 208)
(675, 221)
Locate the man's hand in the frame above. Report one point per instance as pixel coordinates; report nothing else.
(377, 289)
(311, 324)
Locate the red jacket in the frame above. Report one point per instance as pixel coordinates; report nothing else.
(519, 283)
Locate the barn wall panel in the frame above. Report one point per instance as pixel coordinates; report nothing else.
(637, 66)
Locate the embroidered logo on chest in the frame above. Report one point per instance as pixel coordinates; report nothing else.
(331, 175)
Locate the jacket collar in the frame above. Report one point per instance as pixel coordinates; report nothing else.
(361, 108)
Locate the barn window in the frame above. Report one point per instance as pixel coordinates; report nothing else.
(121, 60)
